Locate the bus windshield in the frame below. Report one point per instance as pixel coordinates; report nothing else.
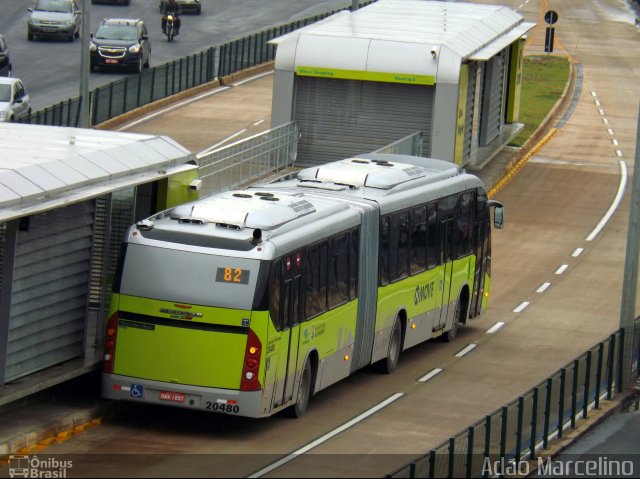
(190, 277)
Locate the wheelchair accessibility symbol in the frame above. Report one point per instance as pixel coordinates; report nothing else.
(137, 390)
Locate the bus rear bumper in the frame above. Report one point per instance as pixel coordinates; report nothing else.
(225, 401)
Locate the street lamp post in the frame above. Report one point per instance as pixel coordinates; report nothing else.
(85, 120)
(630, 282)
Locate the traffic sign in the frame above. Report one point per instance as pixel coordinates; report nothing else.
(548, 39)
(551, 17)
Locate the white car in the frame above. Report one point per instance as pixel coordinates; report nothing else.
(14, 100)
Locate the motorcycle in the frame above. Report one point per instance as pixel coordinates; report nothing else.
(170, 25)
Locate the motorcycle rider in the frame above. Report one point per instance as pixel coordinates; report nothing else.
(171, 7)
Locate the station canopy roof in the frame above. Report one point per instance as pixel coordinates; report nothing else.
(45, 167)
(390, 27)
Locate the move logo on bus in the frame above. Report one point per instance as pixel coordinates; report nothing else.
(423, 292)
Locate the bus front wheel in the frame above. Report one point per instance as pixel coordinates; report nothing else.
(304, 392)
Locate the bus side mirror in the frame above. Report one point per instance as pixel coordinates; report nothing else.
(498, 213)
(498, 217)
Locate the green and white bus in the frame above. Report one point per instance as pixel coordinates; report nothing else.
(249, 302)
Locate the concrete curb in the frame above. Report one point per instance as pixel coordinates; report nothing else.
(33, 433)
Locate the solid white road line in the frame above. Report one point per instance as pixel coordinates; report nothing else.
(614, 206)
(329, 435)
(173, 107)
(221, 142)
(247, 80)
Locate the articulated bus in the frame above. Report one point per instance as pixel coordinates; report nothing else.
(249, 302)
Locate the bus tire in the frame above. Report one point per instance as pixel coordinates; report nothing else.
(389, 364)
(304, 392)
(450, 335)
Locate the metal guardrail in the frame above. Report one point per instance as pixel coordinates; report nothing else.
(248, 159)
(159, 82)
(267, 153)
(519, 430)
(409, 145)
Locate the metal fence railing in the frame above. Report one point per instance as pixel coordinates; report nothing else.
(134, 91)
(409, 145)
(159, 82)
(248, 159)
(520, 429)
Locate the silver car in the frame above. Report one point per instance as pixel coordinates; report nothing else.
(14, 100)
(54, 18)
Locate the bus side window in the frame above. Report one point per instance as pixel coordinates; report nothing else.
(354, 252)
(418, 239)
(275, 281)
(432, 235)
(338, 278)
(399, 246)
(447, 223)
(384, 251)
(316, 298)
(465, 223)
(404, 245)
(312, 280)
(324, 276)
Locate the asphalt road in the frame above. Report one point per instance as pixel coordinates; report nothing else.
(50, 69)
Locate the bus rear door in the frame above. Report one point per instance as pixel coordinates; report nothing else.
(290, 338)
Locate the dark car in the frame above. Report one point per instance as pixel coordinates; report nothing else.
(54, 18)
(120, 43)
(5, 61)
(193, 6)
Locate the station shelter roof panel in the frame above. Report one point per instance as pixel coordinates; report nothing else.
(462, 28)
(42, 167)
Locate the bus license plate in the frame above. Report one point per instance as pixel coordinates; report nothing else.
(170, 396)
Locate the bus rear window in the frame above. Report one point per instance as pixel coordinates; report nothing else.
(191, 277)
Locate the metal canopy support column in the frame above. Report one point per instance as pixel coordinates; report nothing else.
(6, 275)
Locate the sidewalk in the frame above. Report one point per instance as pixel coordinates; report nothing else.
(52, 415)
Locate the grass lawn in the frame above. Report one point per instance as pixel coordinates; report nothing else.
(544, 80)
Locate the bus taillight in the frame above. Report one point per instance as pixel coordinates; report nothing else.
(251, 366)
(110, 343)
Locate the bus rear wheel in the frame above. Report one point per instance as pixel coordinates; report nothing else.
(304, 392)
(458, 318)
(389, 364)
